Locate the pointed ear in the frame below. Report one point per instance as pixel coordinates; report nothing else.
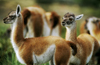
(78, 17)
(18, 10)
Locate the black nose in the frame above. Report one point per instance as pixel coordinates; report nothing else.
(68, 22)
(4, 22)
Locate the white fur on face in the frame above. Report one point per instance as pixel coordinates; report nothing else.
(71, 26)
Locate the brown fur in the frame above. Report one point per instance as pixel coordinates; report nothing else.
(95, 33)
(83, 42)
(56, 18)
(35, 19)
(39, 45)
(83, 28)
(96, 29)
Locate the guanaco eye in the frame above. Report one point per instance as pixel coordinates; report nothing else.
(12, 17)
(70, 19)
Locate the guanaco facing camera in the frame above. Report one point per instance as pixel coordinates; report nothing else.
(87, 45)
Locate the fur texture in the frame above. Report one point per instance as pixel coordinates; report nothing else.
(40, 49)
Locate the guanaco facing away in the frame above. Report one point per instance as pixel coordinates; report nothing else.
(83, 26)
(35, 22)
(93, 25)
(86, 44)
(38, 50)
(55, 23)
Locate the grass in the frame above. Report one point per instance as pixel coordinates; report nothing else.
(7, 54)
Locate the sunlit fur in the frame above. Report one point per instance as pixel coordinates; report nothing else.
(93, 25)
(38, 50)
(55, 23)
(87, 45)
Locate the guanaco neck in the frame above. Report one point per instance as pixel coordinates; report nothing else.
(17, 32)
(71, 33)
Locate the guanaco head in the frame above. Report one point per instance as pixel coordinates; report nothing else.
(69, 19)
(12, 16)
(93, 23)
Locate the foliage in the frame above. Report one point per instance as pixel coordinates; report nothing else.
(91, 3)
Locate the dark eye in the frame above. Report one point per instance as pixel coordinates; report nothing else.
(12, 17)
(70, 19)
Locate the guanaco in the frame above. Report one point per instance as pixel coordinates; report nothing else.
(87, 45)
(38, 50)
(36, 22)
(93, 25)
(55, 23)
(83, 26)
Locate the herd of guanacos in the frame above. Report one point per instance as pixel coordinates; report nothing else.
(35, 37)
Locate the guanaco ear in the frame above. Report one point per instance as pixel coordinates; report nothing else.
(78, 17)
(18, 10)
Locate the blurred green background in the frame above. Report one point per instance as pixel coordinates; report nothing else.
(86, 7)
